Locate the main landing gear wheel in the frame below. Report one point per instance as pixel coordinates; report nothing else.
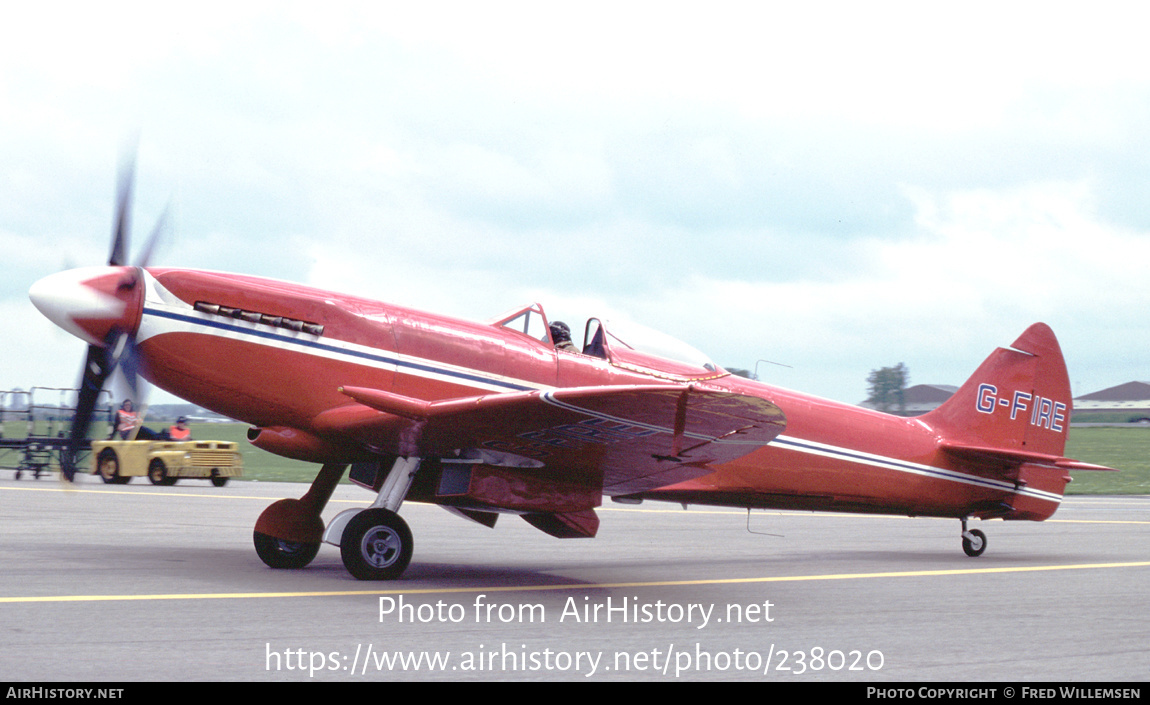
(973, 543)
(281, 554)
(376, 545)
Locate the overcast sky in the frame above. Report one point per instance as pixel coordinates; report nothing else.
(833, 186)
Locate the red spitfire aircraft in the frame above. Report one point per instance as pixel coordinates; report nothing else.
(497, 417)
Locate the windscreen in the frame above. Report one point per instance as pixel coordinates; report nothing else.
(651, 342)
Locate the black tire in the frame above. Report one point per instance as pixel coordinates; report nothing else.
(108, 465)
(975, 545)
(158, 474)
(286, 555)
(376, 545)
(218, 480)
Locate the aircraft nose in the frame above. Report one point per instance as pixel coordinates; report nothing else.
(89, 302)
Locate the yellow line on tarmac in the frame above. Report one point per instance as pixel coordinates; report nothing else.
(65, 487)
(571, 586)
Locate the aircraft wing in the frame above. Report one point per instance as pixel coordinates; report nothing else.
(635, 437)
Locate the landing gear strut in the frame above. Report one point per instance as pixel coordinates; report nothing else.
(973, 541)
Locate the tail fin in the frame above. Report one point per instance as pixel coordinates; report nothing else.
(1016, 404)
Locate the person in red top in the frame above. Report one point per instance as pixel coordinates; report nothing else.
(180, 431)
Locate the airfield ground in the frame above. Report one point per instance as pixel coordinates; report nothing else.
(128, 583)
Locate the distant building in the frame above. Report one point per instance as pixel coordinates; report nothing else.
(1130, 400)
(921, 398)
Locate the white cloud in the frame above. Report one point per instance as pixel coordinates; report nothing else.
(982, 266)
(826, 184)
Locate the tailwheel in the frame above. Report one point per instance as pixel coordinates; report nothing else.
(376, 545)
(973, 543)
(282, 554)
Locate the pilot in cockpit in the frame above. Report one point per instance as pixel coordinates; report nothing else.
(561, 337)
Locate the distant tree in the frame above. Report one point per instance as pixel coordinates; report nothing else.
(887, 386)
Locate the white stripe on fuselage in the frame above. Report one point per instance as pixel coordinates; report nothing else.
(801, 445)
(165, 313)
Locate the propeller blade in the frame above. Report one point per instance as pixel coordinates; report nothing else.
(159, 231)
(128, 363)
(119, 351)
(97, 367)
(122, 225)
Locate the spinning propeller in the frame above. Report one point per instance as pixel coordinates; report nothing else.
(101, 305)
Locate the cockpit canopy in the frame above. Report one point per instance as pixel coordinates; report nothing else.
(623, 343)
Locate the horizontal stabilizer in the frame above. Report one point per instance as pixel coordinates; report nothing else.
(1017, 457)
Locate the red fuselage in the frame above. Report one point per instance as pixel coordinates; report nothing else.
(276, 355)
